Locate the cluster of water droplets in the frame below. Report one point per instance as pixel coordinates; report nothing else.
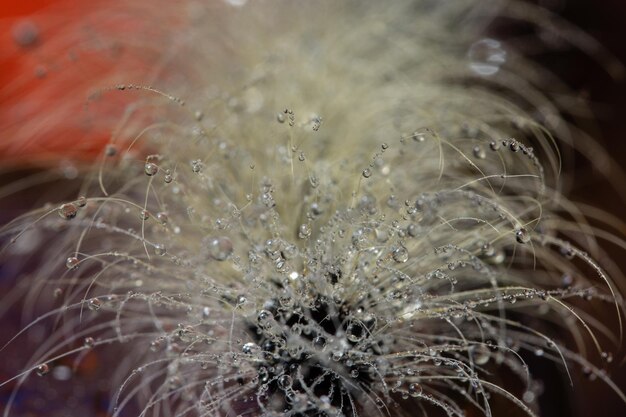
(270, 263)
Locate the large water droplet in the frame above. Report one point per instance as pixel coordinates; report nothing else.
(220, 248)
(522, 235)
(400, 254)
(67, 211)
(72, 262)
(42, 369)
(481, 354)
(150, 169)
(486, 56)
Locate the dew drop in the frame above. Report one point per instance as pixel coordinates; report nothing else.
(479, 152)
(319, 342)
(367, 173)
(528, 397)
(418, 136)
(220, 248)
(264, 318)
(110, 150)
(150, 169)
(480, 354)
(67, 211)
(415, 390)
(412, 229)
(400, 254)
(162, 217)
(280, 117)
(522, 235)
(42, 369)
(159, 249)
(355, 332)
(89, 342)
(251, 349)
(72, 263)
(284, 382)
(82, 201)
(94, 304)
(25, 34)
(486, 56)
(304, 231)
(197, 166)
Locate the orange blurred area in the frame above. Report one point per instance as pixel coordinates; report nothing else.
(21, 8)
(58, 61)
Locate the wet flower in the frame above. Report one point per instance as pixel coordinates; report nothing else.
(341, 217)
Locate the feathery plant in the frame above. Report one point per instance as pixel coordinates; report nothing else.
(326, 209)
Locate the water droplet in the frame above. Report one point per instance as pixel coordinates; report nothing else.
(528, 397)
(94, 304)
(415, 390)
(25, 33)
(522, 235)
(220, 248)
(42, 369)
(480, 354)
(110, 150)
(479, 152)
(494, 145)
(384, 146)
(418, 136)
(72, 262)
(82, 201)
(568, 252)
(319, 342)
(251, 349)
(355, 332)
(367, 173)
(144, 214)
(400, 254)
(162, 217)
(265, 318)
(150, 169)
(159, 249)
(196, 166)
(284, 382)
(304, 231)
(301, 157)
(486, 56)
(68, 211)
(89, 342)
